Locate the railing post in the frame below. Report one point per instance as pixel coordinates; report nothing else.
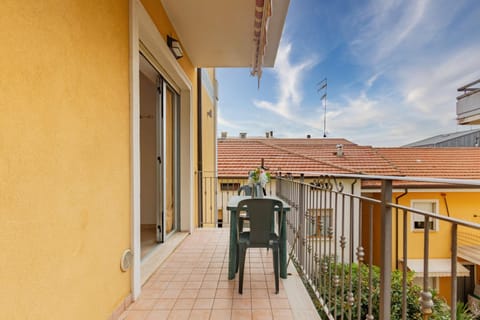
(386, 251)
(301, 222)
(200, 199)
(453, 293)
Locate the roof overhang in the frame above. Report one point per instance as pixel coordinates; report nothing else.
(436, 268)
(219, 33)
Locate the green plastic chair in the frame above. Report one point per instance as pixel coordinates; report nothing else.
(261, 212)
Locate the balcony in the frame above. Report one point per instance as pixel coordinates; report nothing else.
(468, 104)
(364, 255)
(351, 247)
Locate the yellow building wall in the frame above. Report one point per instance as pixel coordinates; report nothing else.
(65, 146)
(65, 189)
(461, 205)
(208, 145)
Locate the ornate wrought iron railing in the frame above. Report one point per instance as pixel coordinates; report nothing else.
(337, 235)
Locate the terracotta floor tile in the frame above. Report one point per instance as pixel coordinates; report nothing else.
(143, 304)
(226, 284)
(200, 315)
(242, 304)
(203, 304)
(262, 314)
(221, 314)
(158, 314)
(209, 285)
(206, 293)
(222, 303)
(259, 293)
(279, 304)
(164, 304)
(188, 293)
(193, 284)
(179, 315)
(260, 303)
(172, 293)
(137, 315)
(241, 315)
(224, 293)
(184, 304)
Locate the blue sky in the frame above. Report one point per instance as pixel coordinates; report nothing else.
(393, 69)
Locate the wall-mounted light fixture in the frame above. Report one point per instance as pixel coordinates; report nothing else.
(175, 47)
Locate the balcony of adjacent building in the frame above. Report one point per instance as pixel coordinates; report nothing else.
(468, 104)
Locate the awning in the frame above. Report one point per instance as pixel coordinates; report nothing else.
(470, 253)
(436, 268)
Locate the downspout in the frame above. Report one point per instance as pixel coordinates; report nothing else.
(199, 146)
(396, 227)
(444, 195)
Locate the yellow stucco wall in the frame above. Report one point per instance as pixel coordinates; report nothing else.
(461, 205)
(65, 164)
(65, 189)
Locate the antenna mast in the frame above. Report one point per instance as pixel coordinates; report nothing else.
(322, 88)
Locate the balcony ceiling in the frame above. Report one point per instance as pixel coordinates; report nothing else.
(220, 33)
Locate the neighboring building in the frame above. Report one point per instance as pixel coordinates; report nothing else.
(470, 138)
(236, 156)
(104, 126)
(468, 104)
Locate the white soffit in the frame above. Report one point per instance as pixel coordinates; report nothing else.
(219, 33)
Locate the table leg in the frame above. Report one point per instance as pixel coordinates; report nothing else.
(283, 248)
(232, 253)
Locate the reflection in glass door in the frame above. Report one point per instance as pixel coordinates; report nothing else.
(172, 100)
(159, 107)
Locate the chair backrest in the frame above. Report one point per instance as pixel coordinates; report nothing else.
(245, 189)
(261, 213)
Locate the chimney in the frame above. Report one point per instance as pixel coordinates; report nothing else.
(271, 134)
(243, 135)
(224, 134)
(308, 136)
(339, 150)
(267, 134)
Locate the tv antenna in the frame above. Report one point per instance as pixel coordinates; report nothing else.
(322, 88)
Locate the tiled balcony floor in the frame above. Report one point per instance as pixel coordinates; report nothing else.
(193, 284)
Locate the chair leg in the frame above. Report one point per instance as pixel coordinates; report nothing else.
(242, 254)
(276, 263)
(238, 257)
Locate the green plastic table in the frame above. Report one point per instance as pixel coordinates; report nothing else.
(232, 256)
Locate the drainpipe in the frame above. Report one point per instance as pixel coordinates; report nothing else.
(396, 227)
(444, 195)
(199, 146)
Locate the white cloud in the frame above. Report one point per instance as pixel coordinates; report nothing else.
(289, 83)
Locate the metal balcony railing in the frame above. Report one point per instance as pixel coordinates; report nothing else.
(341, 237)
(468, 104)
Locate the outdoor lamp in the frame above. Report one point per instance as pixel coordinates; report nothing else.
(174, 46)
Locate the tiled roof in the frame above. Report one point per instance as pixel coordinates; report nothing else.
(237, 156)
(453, 163)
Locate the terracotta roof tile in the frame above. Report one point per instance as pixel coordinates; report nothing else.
(237, 156)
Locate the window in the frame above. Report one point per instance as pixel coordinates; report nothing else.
(232, 186)
(418, 220)
(318, 222)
